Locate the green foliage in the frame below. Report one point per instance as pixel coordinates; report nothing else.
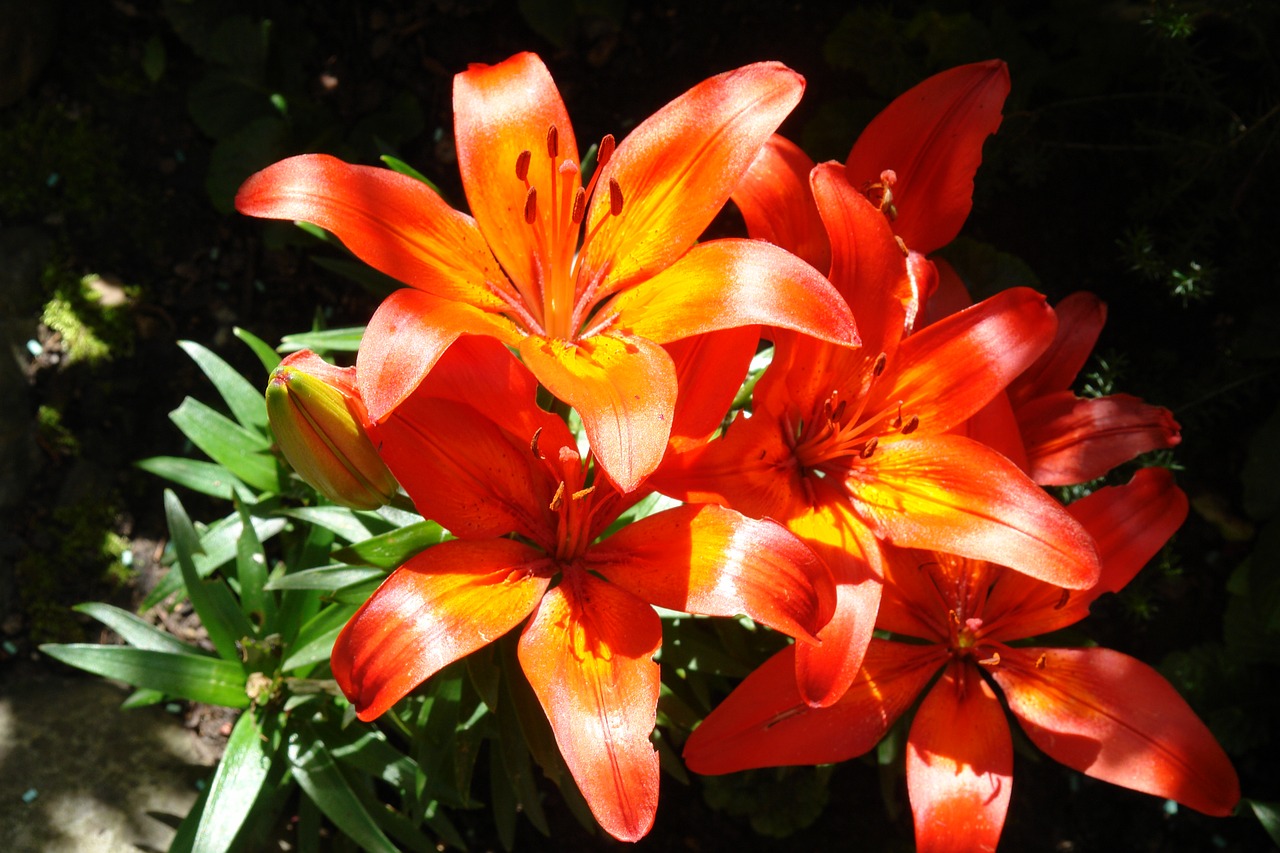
(777, 802)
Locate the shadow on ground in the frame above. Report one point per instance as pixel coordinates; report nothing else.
(78, 775)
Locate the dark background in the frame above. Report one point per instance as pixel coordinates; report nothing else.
(1138, 159)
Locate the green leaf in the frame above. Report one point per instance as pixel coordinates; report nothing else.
(315, 639)
(208, 478)
(200, 679)
(331, 340)
(213, 602)
(141, 698)
(398, 165)
(241, 451)
(328, 578)
(153, 58)
(1268, 815)
(236, 784)
(390, 550)
(136, 631)
(268, 356)
(349, 524)
(246, 402)
(322, 781)
(219, 545)
(251, 572)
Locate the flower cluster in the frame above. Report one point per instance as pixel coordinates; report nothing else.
(884, 481)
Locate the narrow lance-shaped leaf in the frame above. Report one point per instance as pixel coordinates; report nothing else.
(241, 396)
(200, 679)
(236, 784)
(212, 601)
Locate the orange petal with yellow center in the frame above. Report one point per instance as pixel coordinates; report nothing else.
(625, 390)
(1115, 718)
(717, 562)
(728, 283)
(678, 168)
(443, 604)
(959, 765)
(498, 112)
(951, 494)
(394, 223)
(588, 654)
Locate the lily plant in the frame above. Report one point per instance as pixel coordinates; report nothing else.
(958, 628)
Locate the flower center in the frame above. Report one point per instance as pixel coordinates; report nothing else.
(846, 435)
(557, 219)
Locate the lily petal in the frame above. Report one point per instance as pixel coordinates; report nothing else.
(868, 266)
(777, 204)
(931, 136)
(728, 283)
(443, 604)
(407, 335)
(766, 723)
(394, 223)
(948, 493)
(959, 765)
(498, 112)
(588, 653)
(1070, 439)
(625, 390)
(465, 472)
(1115, 718)
(1081, 317)
(709, 371)
(826, 670)
(951, 369)
(678, 168)
(717, 562)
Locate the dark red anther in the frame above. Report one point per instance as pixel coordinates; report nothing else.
(910, 426)
(553, 142)
(531, 205)
(869, 448)
(605, 153)
(878, 367)
(615, 197)
(522, 164)
(579, 205)
(533, 445)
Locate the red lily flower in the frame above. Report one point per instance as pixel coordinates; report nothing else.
(1070, 439)
(916, 161)
(475, 452)
(1095, 710)
(586, 285)
(851, 446)
(1060, 439)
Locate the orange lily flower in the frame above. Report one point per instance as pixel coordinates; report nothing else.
(505, 477)
(586, 282)
(849, 447)
(1095, 710)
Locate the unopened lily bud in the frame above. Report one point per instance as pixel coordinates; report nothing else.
(319, 423)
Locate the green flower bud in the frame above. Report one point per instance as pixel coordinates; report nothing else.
(319, 423)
